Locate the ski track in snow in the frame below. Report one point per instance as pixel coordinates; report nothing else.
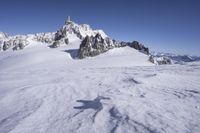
(149, 99)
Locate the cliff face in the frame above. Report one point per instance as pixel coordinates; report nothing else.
(62, 36)
(95, 45)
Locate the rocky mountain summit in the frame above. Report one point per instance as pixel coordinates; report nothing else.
(63, 35)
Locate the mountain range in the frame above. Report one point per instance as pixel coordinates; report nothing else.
(93, 43)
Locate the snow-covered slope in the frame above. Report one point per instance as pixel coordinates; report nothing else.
(124, 56)
(49, 90)
(38, 54)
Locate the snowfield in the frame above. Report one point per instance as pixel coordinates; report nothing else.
(45, 90)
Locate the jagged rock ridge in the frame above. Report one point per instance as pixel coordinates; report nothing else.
(71, 28)
(95, 45)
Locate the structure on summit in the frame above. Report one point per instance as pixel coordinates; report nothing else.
(68, 20)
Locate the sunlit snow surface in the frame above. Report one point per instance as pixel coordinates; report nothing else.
(45, 90)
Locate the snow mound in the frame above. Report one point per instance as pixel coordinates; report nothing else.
(120, 57)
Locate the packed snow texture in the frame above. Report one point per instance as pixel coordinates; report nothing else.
(45, 90)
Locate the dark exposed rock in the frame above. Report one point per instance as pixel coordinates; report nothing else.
(66, 41)
(55, 44)
(95, 45)
(7, 45)
(164, 61)
(3, 38)
(19, 44)
(59, 35)
(151, 59)
(139, 46)
(92, 46)
(85, 48)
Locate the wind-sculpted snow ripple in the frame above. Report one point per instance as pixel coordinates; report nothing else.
(79, 98)
(10, 122)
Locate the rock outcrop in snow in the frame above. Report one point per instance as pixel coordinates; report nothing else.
(160, 60)
(20, 44)
(3, 37)
(95, 45)
(139, 46)
(44, 37)
(14, 42)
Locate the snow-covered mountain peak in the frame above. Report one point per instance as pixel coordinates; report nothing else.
(3, 35)
(176, 58)
(81, 30)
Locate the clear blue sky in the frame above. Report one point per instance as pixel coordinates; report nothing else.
(162, 25)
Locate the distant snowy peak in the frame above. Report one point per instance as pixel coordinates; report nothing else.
(83, 30)
(177, 58)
